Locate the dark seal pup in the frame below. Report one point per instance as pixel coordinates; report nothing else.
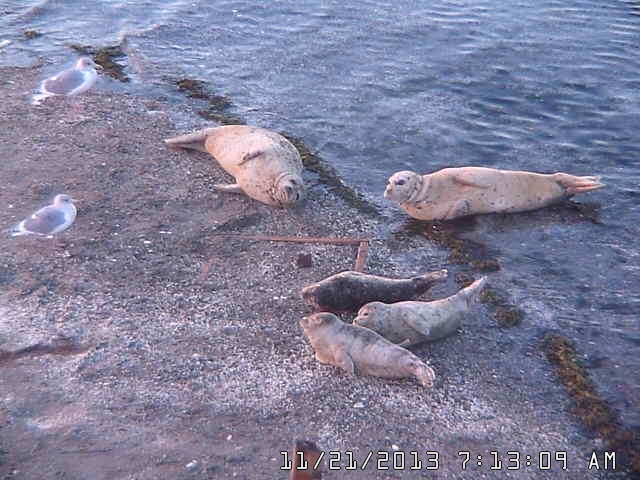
(361, 351)
(348, 291)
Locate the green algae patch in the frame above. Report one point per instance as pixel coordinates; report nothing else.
(198, 89)
(106, 57)
(217, 106)
(505, 313)
(329, 176)
(29, 34)
(593, 410)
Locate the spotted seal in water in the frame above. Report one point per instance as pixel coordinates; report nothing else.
(456, 192)
(266, 166)
(410, 323)
(348, 291)
(361, 351)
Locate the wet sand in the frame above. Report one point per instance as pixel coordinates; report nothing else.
(186, 357)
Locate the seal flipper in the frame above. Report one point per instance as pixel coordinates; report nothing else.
(423, 373)
(192, 141)
(343, 360)
(251, 156)
(458, 209)
(467, 179)
(230, 188)
(574, 185)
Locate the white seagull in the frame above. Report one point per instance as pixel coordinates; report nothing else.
(77, 79)
(48, 220)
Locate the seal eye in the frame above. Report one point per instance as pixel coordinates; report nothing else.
(400, 182)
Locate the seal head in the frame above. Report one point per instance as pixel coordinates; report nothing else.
(403, 186)
(368, 316)
(288, 189)
(317, 320)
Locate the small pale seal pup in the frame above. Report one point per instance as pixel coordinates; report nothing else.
(348, 291)
(266, 166)
(410, 323)
(456, 192)
(361, 351)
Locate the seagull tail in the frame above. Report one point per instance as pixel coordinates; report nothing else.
(193, 141)
(13, 231)
(39, 97)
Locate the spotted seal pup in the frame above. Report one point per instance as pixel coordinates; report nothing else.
(456, 192)
(361, 351)
(410, 323)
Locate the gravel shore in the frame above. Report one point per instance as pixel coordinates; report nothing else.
(168, 352)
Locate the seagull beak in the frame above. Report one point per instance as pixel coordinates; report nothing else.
(74, 200)
(97, 66)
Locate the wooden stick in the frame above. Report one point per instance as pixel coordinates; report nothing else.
(275, 238)
(361, 258)
(310, 454)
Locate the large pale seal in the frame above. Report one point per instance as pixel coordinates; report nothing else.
(410, 323)
(456, 192)
(348, 291)
(361, 351)
(266, 166)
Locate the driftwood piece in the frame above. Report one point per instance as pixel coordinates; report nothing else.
(363, 244)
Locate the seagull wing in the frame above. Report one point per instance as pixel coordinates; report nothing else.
(65, 82)
(45, 221)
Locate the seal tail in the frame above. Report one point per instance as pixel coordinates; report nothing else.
(472, 292)
(575, 185)
(192, 141)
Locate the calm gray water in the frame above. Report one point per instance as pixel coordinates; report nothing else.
(375, 88)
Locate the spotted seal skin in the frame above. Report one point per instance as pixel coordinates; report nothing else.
(360, 351)
(266, 166)
(411, 323)
(456, 192)
(348, 291)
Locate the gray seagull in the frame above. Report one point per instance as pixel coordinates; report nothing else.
(77, 79)
(48, 220)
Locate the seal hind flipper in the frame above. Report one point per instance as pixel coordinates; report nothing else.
(424, 374)
(191, 141)
(574, 185)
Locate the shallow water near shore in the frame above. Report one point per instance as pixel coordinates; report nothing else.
(374, 88)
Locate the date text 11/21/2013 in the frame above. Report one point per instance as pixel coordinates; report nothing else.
(430, 460)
